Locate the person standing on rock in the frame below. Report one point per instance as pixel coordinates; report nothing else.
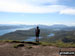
(37, 33)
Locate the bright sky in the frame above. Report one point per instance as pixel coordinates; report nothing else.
(30, 12)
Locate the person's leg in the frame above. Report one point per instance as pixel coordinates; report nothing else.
(37, 39)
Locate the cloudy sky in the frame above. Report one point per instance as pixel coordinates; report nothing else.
(30, 12)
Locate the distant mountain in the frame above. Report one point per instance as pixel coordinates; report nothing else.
(44, 26)
(59, 26)
(7, 26)
(4, 27)
(62, 27)
(53, 27)
(62, 32)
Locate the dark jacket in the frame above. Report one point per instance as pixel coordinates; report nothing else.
(37, 32)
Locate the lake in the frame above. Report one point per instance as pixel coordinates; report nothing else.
(33, 38)
(2, 32)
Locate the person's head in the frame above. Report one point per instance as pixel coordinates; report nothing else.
(37, 27)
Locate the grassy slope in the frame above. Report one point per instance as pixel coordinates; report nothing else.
(23, 34)
(56, 44)
(64, 36)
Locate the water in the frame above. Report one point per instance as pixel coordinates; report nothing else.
(2, 32)
(51, 34)
(33, 38)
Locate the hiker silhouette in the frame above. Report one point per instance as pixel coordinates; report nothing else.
(37, 33)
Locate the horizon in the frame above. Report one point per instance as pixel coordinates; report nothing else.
(35, 12)
(39, 24)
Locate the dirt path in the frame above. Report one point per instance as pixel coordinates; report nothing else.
(40, 51)
(7, 49)
(4, 45)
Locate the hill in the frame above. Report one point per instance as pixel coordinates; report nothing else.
(61, 33)
(64, 36)
(24, 34)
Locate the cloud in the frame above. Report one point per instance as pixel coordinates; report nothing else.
(16, 22)
(21, 22)
(68, 11)
(34, 6)
(13, 22)
(45, 1)
(63, 23)
(31, 23)
(26, 7)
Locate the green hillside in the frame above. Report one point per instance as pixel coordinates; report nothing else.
(24, 34)
(64, 36)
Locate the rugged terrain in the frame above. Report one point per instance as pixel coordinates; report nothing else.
(7, 49)
(29, 49)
